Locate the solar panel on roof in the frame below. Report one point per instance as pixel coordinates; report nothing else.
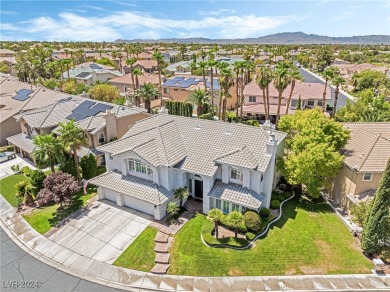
(83, 75)
(65, 99)
(95, 66)
(101, 107)
(76, 116)
(87, 103)
(23, 94)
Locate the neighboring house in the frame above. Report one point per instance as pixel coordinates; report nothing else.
(126, 87)
(16, 97)
(310, 95)
(366, 156)
(125, 84)
(179, 88)
(100, 121)
(89, 73)
(227, 166)
(148, 66)
(347, 70)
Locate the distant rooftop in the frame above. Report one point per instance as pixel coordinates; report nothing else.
(187, 82)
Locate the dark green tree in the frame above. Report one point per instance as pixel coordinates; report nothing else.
(69, 167)
(88, 166)
(376, 228)
(37, 178)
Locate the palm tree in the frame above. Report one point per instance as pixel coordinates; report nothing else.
(130, 62)
(173, 208)
(263, 80)
(148, 92)
(226, 81)
(215, 215)
(293, 75)
(198, 97)
(67, 63)
(181, 194)
(235, 220)
(238, 67)
(159, 58)
(328, 74)
(281, 81)
(136, 72)
(203, 66)
(336, 81)
(72, 137)
(212, 63)
(49, 151)
(193, 67)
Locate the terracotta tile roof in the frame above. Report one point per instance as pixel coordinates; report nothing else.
(368, 150)
(236, 194)
(141, 189)
(305, 89)
(258, 108)
(142, 79)
(195, 145)
(147, 64)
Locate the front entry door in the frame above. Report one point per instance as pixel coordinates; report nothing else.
(198, 189)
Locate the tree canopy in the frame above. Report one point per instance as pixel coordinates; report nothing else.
(104, 92)
(313, 146)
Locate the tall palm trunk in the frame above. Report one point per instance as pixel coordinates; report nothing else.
(267, 91)
(238, 99)
(279, 105)
(216, 228)
(290, 95)
(220, 104)
(212, 85)
(159, 83)
(204, 78)
(224, 103)
(52, 169)
(324, 95)
(76, 162)
(336, 97)
(265, 105)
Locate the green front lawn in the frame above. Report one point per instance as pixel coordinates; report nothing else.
(8, 189)
(42, 219)
(140, 254)
(308, 239)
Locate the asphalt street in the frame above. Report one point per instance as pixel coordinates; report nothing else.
(22, 272)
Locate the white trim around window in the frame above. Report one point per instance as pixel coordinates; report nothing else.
(367, 176)
(138, 166)
(252, 98)
(236, 174)
(101, 138)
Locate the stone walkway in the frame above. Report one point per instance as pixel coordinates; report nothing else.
(84, 268)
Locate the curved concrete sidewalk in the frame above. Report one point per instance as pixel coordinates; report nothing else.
(77, 265)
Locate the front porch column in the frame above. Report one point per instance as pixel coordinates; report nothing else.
(100, 192)
(207, 186)
(120, 200)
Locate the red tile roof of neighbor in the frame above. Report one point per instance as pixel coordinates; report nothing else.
(305, 89)
(259, 109)
(148, 64)
(145, 78)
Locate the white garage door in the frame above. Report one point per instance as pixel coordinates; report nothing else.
(139, 205)
(110, 195)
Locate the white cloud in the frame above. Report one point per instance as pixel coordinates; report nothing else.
(343, 16)
(125, 24)
(125, 4)
(217, 12)
(7, 12)
(94, 7)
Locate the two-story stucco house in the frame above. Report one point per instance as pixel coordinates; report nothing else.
(100, 121)
(366, 156)
(227, 166)
(309, 94)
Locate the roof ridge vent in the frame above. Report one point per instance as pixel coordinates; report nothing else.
(198, 127)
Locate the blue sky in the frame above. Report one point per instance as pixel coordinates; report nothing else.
(111, 20)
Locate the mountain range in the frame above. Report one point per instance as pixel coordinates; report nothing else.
(277, 38)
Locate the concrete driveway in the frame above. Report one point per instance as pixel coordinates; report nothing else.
(103, 232)
(5, 167)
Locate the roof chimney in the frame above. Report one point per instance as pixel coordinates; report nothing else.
(271, 144)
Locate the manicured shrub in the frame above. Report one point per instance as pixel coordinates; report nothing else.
(264, 212)
(88, 166)
(250, 236)
(26, 170)
(287, 195)
(37, 178)
(252, 221)
(70, 167)
(275, 204)
(280, 198)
